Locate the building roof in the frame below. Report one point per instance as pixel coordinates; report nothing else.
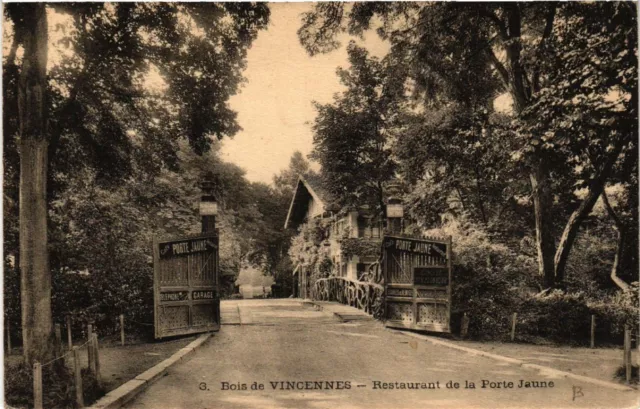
(315, 182)
(309, 186)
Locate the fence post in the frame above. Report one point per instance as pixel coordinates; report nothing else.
(638, 349)
(96, 353)
(37, 385)
(58, 332)
(69, 340)
(367, 302)
(464, 329)
(91, 355)
(122, 329)
(513, 326)
(8, 338)
(627, 354)
(78, 377)
(593, 331)
(90, 358)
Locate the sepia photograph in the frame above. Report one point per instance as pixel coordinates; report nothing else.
(320, 205)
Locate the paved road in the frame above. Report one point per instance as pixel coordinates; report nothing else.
(312, 351)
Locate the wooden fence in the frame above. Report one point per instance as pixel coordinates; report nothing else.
(73, 352)
(363, 295)
(629, 337)
(93, 358)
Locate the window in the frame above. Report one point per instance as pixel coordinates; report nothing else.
(338, 227)
(363, 269)
(367, 228)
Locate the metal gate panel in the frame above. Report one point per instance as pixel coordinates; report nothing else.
(186, 285)
(417, 283)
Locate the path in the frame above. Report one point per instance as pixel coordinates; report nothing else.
(273, 341)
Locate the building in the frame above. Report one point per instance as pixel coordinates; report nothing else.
(310, 201)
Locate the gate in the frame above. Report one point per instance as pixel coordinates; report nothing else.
(417, 283)
(186, 285)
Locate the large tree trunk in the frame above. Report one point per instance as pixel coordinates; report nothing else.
(573, 225)
(34, 258)
(37, 334)
(545, 244)
(620, 228)
(571, 231)
(515, 77)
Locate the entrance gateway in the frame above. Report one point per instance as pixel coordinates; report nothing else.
(417, 276)
(186, 285)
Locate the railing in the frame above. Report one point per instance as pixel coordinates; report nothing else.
(363, 295)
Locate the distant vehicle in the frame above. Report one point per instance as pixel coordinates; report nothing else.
(249, 291)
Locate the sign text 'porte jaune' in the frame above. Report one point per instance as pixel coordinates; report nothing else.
(417, 283)
(186, 285)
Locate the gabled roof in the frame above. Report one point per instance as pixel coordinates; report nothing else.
(309, 186)
(315, 182)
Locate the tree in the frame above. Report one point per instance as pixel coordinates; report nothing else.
(457, 160)
(94, 109)
(274, 241)
(287, 179)
(596, 130)
(353, 135)
(31, 28)
(622, 232)
(269, 238)
(514, 39)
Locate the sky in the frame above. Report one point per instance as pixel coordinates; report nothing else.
(275, 105)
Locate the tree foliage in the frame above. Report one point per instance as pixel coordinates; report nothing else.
(93, 110)
(353, 134)
(310, 248)
(132, 78)
(570, 71)
(287, 180)
(274, 241)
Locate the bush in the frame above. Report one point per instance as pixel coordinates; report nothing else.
(324, 267)
(565, 317)
(360, 247)
(621, 374)
(489, 279)
(615, 313)
(487, 298)
(99, 299)
(310, 248)
(90, 386)
(57, 384)
(556, 317)
(492, 281)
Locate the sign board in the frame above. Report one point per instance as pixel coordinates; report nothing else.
(395, 210)
(186, 247)
(431, 275)
(418, 246)
(208, 208)
(186, 285)
(417, 283)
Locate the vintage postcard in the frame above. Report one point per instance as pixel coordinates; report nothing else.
(320, 205)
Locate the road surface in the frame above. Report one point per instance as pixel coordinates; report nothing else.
(287, 354)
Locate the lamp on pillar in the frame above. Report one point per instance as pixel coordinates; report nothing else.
(208, 207)
(394, 208)
(395, 214)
